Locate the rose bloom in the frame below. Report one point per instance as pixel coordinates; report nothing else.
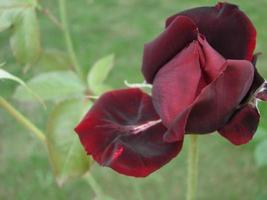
(204, 79)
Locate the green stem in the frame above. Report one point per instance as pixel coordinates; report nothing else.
(41, 136)
(192, 168)
(22, 120)
(94, 185)
(67, 37)
(51, 17)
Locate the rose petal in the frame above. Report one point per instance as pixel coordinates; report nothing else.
(242, 125)
(226, 28)
(218, 100)
(212, 62)
(176, 84)
(123, 131)
(158, 52)
(176, 130)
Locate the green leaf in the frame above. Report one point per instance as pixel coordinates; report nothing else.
(5, 21)
(6, 75)
(25, 40)
(260, 134)
(67, 156)
(263, 110)
(99, 73)
(8, 17)
(4, 24)
(53, 86)
(101, 88)
(260, 154)
(51, 60)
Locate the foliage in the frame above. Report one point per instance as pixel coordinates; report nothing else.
(5, 75)
(67, 156)
(53, 86)
(51, 78)
(123, 32)
(98, 74)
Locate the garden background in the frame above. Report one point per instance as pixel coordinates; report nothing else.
(121, 27)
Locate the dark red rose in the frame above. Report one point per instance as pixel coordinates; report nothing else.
(124, 132)
(204, 79)
(227, 29)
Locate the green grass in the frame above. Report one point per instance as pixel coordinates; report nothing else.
(122, 27)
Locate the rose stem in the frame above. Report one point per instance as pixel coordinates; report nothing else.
(94, 185)
(78, 69)
(192, 168)
(51, 17)
(68, 40)
(22, 120)
(39, 135)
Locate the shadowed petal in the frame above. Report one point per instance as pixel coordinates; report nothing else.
(215, 104)
(226, 28)
(176, 85)
(212, 62)
(176, 130)
(157, 53)
(242, 125)
(123, 131)
(219, 99)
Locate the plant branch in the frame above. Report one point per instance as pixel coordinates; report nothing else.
(22, 120)
(94, 185)
(67, 37)
(51, 17)
(192, 164)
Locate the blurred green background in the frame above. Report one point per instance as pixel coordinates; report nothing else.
(122, 27)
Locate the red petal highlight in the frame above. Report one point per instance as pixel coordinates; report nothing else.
(157, 53)
(176, 84)
(218, 100)
(213, 106)
(226, 28)
(212, 62)
(123, 131)
(242, 126)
